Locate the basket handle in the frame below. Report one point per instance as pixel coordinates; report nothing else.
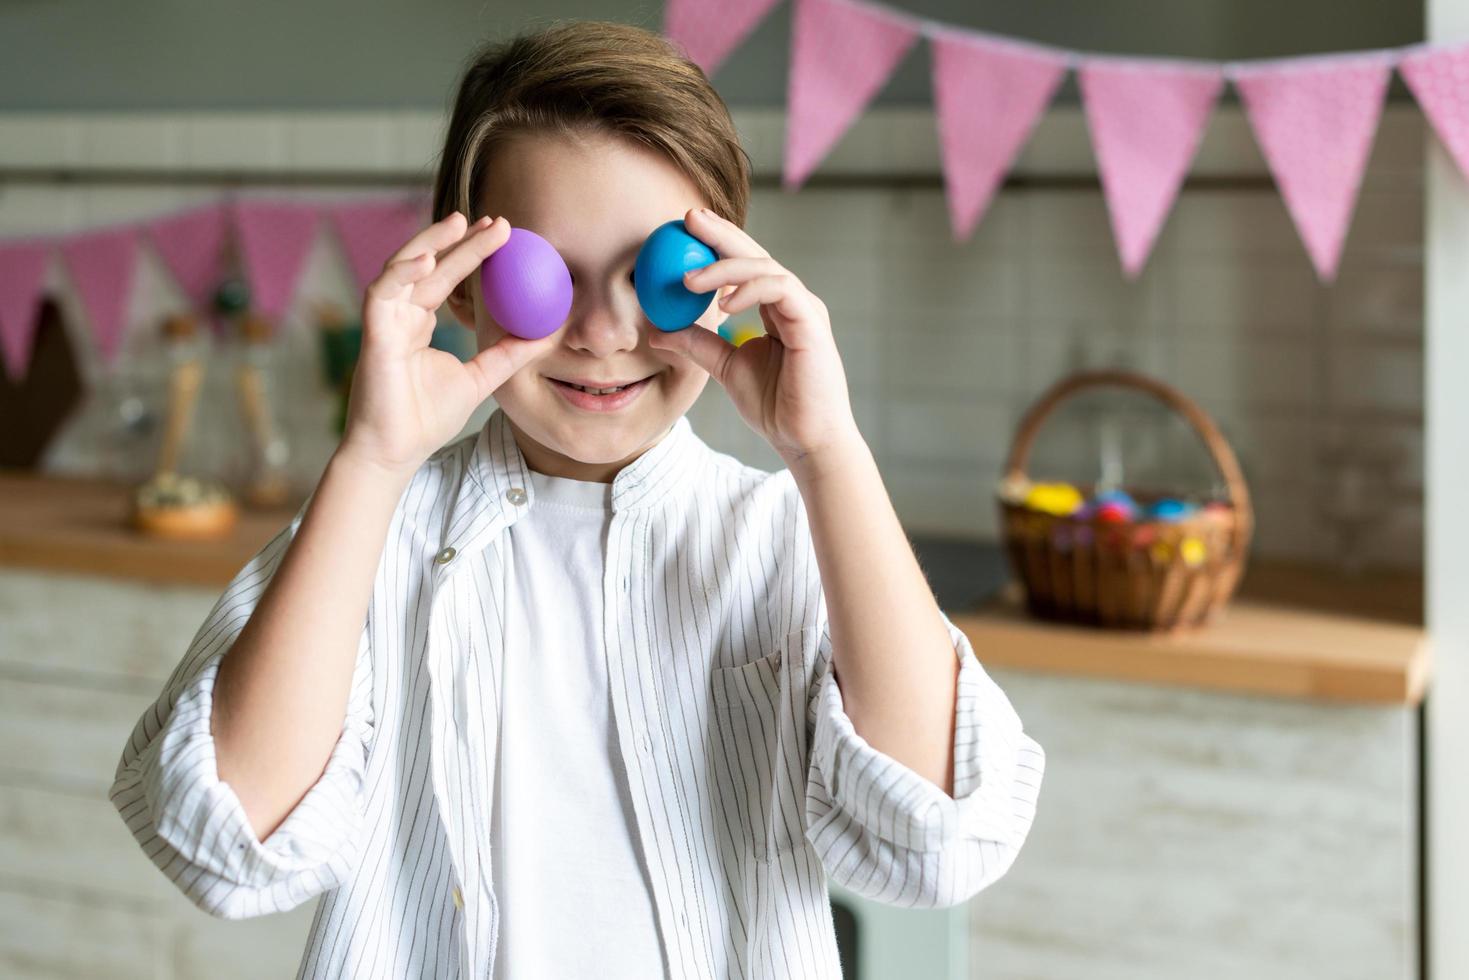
(1214, 441)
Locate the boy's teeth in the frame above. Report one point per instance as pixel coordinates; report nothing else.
(598, 391)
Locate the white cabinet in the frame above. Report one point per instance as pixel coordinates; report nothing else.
(80, 660)
(1185, 833)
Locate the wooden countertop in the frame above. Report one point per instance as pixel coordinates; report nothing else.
(1294, 631)
(1255, 646)
(69, 524)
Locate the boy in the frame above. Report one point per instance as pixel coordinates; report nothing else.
(577, 695)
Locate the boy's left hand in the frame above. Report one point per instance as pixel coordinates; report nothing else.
(789, 385)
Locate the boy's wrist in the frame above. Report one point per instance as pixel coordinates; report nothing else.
(349, 457)
(840, 456)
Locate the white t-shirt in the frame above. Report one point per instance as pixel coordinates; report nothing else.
(572, 885)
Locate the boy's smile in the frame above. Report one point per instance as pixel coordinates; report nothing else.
(594, 396)
(595, 197)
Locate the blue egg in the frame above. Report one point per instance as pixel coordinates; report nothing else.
(1121, 497)
(1169, 509)
(668, 253)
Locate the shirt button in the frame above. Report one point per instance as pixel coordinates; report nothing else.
(624, 583)
(458, 898)
(516, 495)
(445, 556)
(644, 744)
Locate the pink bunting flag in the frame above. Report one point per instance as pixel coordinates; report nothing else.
(1147, 119)
(841, 55)
(371, 231)
(274, 239)
(1439, 80)
(22, 281)
(708, 30)
(1315, 119)
(191, 243)
(989, 94)
(102, 266)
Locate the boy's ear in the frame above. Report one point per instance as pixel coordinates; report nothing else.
(461, 304)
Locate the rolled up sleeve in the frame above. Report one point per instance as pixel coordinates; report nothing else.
(190, 822)
(890, 834)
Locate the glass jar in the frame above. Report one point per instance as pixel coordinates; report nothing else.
(264, 480)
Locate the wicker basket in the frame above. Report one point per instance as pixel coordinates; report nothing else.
(1145, 573)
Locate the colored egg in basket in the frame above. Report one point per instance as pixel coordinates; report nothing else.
(1137, 560)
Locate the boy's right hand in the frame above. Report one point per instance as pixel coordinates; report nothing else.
(408, 398)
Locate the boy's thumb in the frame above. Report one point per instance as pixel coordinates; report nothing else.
(699, 344)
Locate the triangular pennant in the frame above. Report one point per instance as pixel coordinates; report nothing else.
(988, 94)
(1439, 80)
(22, 281)
(708, 30)
(274, 239)
(102, 265)
(191, 243)
(1315, 119)
(371, 231)
(841, 55)
(1147, 119)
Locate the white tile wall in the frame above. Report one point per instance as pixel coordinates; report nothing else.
(944, 343)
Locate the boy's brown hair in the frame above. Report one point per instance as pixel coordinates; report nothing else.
(583, 76)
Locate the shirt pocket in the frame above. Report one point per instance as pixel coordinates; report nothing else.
(753, 754)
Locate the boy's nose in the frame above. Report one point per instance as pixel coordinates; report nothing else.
(603, 324)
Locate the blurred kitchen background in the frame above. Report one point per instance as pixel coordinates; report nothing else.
(1235, 804)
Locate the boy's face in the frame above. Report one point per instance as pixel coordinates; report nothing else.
(595, 199)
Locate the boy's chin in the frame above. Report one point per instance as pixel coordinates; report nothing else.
(582, 442)
(593, 441)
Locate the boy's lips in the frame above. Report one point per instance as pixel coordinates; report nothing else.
(593, 383)
(600, 403)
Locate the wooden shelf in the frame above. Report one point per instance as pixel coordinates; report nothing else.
(70, 524)
(1255, 646)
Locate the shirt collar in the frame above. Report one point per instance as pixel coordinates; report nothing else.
(498, 479)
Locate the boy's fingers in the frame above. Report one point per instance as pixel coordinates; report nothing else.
(701, 345)
(417, 258)
(400, 273)
(494, 365)
(457, 263)
(724, 236)
(433, 239)
(726, 272)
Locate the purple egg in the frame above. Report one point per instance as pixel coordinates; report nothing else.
(526, 286)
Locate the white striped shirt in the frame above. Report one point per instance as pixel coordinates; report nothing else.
(750, 786)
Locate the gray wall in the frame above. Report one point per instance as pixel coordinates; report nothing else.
(158, 54)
